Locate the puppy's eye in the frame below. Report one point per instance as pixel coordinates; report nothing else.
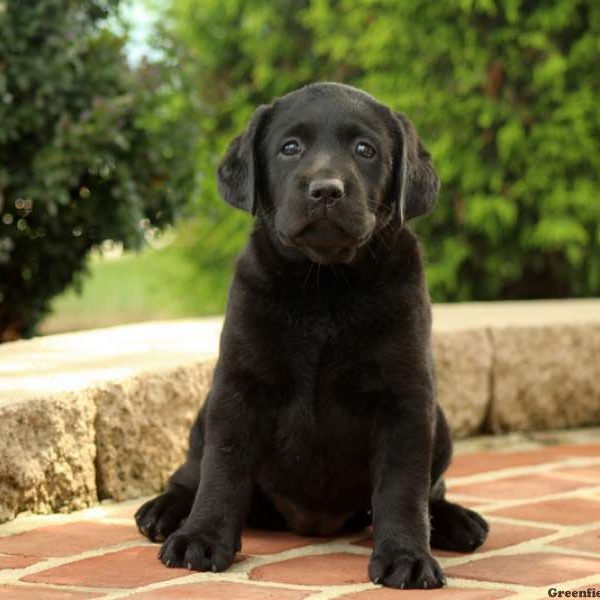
(290, 148)
(365, 150)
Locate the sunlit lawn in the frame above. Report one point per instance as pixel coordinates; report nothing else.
(153, 284)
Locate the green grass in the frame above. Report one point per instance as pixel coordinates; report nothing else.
(150, 285)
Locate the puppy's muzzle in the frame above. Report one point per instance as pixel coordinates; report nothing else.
(323, 234)
(324, 242)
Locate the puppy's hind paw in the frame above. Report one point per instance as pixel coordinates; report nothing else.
(456, 528)
(161, 516)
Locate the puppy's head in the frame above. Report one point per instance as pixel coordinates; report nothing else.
(328, 167)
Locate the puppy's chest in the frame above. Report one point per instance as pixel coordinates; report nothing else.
(321, 433)
(326, 420)
(335, 373)
(320, 453)
(333, 380)
(321, 429)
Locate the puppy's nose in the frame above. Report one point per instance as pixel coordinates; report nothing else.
(326, 191)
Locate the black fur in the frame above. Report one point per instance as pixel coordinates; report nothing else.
(322, 415)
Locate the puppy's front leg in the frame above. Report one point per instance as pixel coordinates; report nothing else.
(401, 478)
(210, 536)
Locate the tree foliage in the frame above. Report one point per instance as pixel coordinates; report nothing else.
(504, 93)
(91, 148)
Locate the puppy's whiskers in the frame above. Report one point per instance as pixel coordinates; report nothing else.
(308, 272)
(371, 252)
(340, 272)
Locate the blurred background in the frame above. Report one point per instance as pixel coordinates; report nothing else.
(114, 114)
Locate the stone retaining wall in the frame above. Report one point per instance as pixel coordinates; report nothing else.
(105, 413)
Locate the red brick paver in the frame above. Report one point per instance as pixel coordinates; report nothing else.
(16, 562)
(570, 511)
(589, 474)
(528, 569)
(128, 568)
(221, 590)
(503, 535)
(559, 451)
(523, 486)
(68, 539)
(588, 542)
(320, 569)
(21, 592)
(543, 506)
(269, 542)
(481, 462)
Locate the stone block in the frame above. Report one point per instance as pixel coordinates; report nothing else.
(545, 377)
(142, 427)
(463, 362)
(47, 455)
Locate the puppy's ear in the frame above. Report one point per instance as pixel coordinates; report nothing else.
(415, 182)
(237, 173)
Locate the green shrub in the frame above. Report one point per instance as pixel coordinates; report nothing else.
(505, 94)
(91, 148)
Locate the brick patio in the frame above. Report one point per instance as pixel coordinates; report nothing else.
(543, 505)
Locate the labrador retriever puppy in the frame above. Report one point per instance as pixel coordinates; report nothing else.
(322, 417)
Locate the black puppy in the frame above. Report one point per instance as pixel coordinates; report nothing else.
(322, 415)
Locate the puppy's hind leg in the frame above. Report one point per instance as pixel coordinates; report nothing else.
(161, 516)
(453, 527)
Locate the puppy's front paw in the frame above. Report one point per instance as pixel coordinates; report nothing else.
(196, 550)
(404, 568)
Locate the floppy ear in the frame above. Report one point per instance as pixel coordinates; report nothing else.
(237, 171)
(416, 184)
